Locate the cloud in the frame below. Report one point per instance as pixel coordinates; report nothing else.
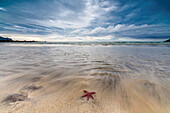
(85, 19)
(131, 31)
(68, 18)
(108, 30)
(2, 9)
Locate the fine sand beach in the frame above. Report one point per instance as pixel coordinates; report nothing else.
(50, 78)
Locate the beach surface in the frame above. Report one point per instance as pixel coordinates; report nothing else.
(51, 78)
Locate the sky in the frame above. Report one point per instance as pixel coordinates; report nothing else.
(85, 20)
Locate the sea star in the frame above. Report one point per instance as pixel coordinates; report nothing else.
(88, 94)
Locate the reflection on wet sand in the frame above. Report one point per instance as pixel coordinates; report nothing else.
(122, 84)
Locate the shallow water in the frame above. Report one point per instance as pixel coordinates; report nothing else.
(52, 77)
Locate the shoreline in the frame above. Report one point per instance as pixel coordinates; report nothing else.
(52, 79)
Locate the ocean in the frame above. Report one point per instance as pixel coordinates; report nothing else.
(128, 77)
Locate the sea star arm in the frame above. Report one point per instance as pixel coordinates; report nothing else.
(91, 96)
(86, 91)
(92, 92)
(85, 95)
(88, 96)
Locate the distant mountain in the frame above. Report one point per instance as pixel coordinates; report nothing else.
(2, 39)
(167, 40)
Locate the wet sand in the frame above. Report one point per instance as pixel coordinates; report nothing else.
(124, 83)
